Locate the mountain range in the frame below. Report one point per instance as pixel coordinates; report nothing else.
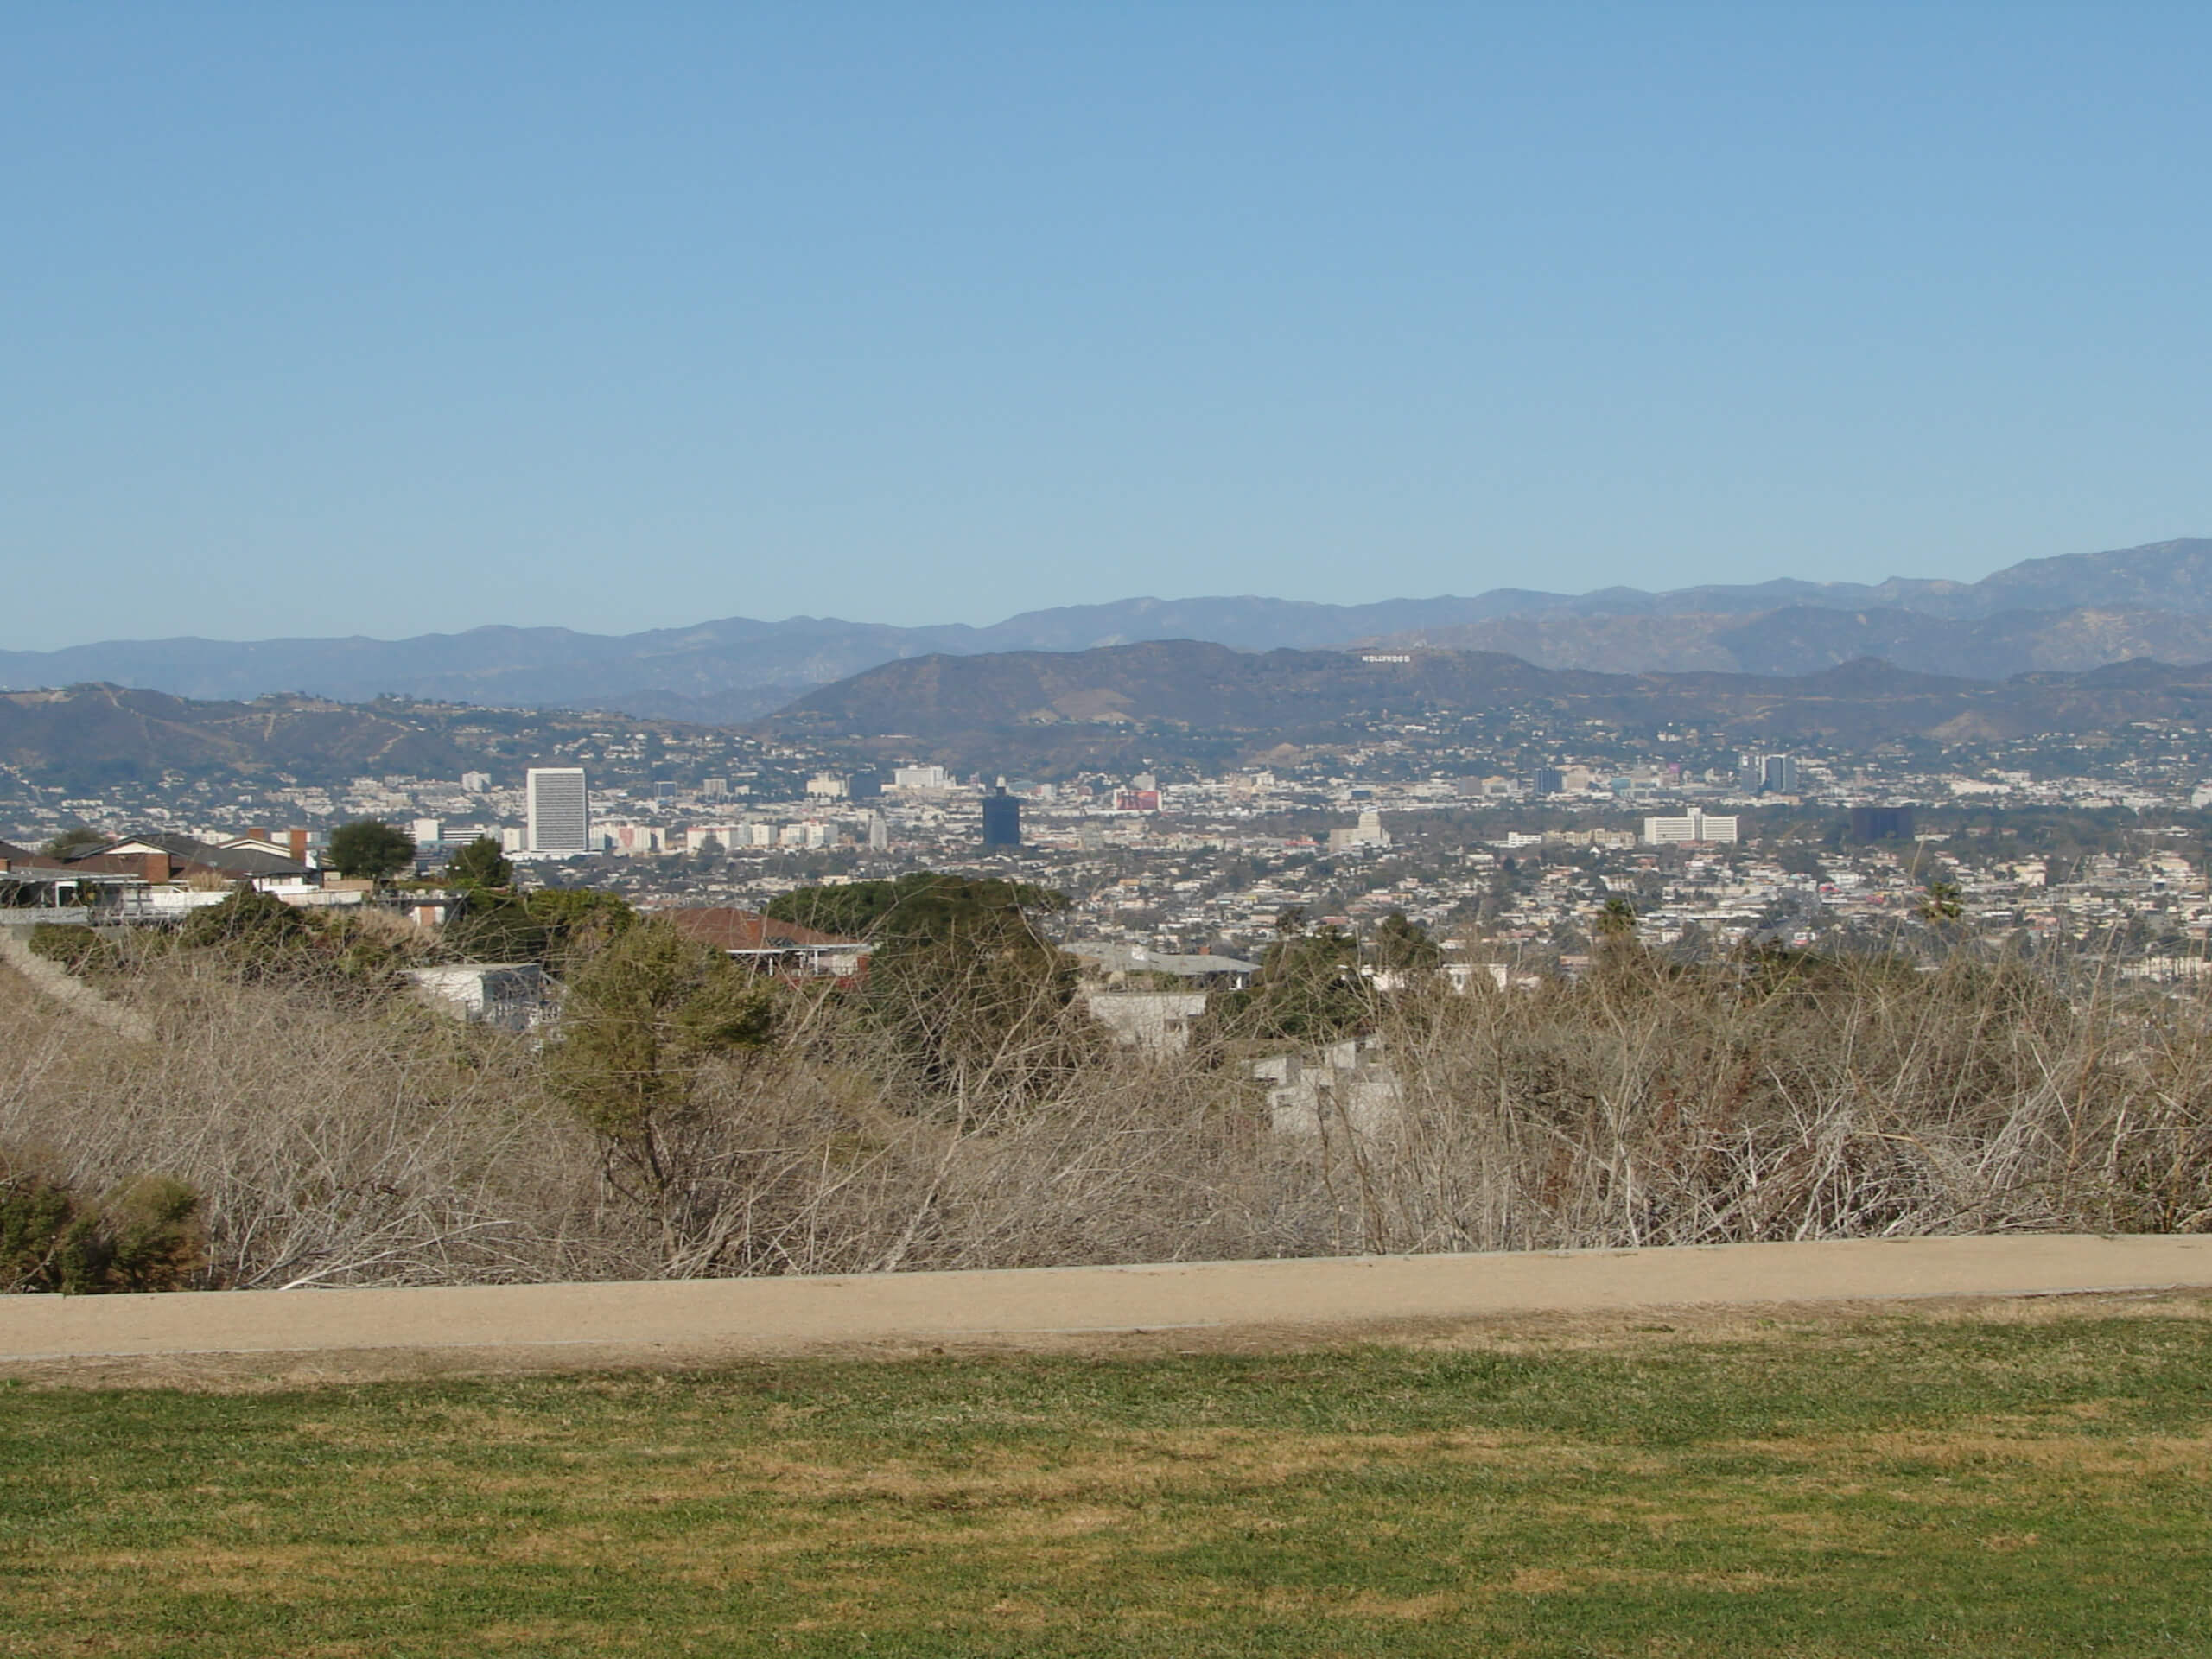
(2068, 613)
(1051, 711)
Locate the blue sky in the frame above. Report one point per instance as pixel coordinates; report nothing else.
(326, 319)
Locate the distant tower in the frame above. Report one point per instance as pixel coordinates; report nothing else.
(1778, 774)
(559, 808)
(1872, 824)
(879, 833)
(1002, 819)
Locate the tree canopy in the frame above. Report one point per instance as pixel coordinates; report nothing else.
(1309, 988)
(553, 925)
(369, 848)
(923, 908)
(1404, 946)
(642, 1018)
(73, 840)
(971, 993)
(481, 864)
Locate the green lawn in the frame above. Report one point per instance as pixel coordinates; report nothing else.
(1912, 1485)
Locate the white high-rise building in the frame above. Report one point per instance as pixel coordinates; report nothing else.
(560, 810)
(1696, 829)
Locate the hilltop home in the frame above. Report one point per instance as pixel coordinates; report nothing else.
(767, 946)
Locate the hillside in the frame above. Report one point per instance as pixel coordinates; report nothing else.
(92, 737)
(1800, 638)
(1061, 708)
(2071, 613)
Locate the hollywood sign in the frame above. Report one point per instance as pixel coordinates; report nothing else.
(1387, 659)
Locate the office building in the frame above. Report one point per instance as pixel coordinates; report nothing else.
(920, 778)
(1873, 823)
(1002, 819)
(558, 807)
(1367, 832)
(1549, 780)
(1778, 774)
(879, 833)
(475, 783)
(1696, 829)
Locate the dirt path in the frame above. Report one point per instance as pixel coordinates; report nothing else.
(51, 979)
(544, 1327)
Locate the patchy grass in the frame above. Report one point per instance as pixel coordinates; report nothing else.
(1876, 1486)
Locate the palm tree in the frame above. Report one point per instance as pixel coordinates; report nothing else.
(1940, 908)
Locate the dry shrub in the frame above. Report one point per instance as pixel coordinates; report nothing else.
(337, 1138)
(329, 1142)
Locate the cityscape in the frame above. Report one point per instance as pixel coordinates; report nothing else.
(2094, 847)
(1106, 830)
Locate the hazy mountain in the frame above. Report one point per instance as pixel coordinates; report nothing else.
(90, 737)
(1056, 711)
(2060, 613)
(1802, 638)
(1198, 700)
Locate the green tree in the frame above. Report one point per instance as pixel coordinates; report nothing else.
(248, 926)
(369, 848)
(644, 1020)
(557, 926)
(144, 1235)
(258, 936)
(920, 909)
(1403, 946)
(1943, 907)
(481, 864)
(970, 991)
(1309, 988)
(77, 839)
(1616, 921)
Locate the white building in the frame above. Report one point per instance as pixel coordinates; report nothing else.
(1370, 832)
(920, 778)
(559, 810)
(634, 839)
(1696, 827)
(828, 786)
(1157, 1022)
(511, 995)
(1344, 1089)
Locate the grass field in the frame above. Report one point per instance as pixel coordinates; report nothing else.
(2029, 1485)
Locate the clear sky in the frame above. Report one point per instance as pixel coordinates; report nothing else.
(395, 318)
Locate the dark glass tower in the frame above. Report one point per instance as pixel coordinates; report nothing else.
(1001, 820)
